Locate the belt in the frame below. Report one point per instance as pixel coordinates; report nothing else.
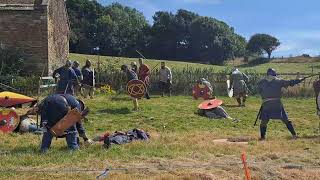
(270, 99)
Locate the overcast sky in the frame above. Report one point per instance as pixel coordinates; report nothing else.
(296, 23)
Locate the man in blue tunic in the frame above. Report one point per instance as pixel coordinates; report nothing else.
(272, 107)
(67, 78)
(52, 109)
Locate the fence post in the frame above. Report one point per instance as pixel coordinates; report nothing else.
(245, 166)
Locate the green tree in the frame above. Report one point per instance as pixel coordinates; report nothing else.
(212, 40)
(11, 61)
(262, 43)
(120, 30)
(83, 15)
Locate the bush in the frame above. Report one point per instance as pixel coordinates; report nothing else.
(11, 61)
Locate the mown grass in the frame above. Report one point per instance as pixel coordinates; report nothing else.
(178, 136)
(289, 66)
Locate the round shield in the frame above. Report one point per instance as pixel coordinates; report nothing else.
(9, 120)
(210, 104)
(136, 88)
(201, 91)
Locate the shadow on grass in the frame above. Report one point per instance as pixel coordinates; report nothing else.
(231, 105)
(115, 111)
(120, 99)
(310, 137)
(21, 151)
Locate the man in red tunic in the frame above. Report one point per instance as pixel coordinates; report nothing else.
(144, 75)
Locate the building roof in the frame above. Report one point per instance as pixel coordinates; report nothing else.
(24, 5)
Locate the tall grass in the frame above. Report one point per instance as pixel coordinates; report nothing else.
(183, 81)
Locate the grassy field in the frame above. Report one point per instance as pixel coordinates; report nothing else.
(179, 137)
(289, 65)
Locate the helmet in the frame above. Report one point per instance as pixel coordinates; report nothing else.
(271, 72)
(88, 62)
(68, 63)
(133, 63)
(124, 67)
(82, 105)
(76, 63)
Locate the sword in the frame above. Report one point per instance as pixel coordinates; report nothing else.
(141, 54)
(258, 115)
(146, 58)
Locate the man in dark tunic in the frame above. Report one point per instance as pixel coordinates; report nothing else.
(272, 108)
(75, 67)
(67, 78)
(88, 81)
(131, 75)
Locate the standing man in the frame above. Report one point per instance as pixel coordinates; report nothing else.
(75, 67)
(88, 81)
(272, 107)
(131, 75)
(165, 76)
(144, 75)
(134, 67)
(238, 83)
(53, 109)
(67, 79)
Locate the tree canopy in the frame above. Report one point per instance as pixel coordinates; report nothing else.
(262, 43)
(119, 30)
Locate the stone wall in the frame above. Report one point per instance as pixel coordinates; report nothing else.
(58, 34)
(27, 31)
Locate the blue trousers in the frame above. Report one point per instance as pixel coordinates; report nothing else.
(71, 139)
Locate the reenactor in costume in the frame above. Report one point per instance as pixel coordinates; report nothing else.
(67, 79)
(316, 87)
(208, 84)
(144, 75)
(131, 75)
(238, 83)
(58, 109)
(75, 67)
(134, 67)
(165, 77)
(272, 107)
(88, 81)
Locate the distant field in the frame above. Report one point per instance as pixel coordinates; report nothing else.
(292, 65)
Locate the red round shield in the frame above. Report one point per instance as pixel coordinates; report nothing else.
(136, 88)
(210, 104)
(9, 120)
(201, 91)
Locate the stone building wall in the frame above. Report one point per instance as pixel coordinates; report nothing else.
(39, 29)
(26, 31)
(58, 34)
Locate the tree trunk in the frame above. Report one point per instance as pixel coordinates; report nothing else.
(269, 55)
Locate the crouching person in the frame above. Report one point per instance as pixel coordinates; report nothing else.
(60, 116)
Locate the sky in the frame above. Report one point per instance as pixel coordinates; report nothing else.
(296, 23)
